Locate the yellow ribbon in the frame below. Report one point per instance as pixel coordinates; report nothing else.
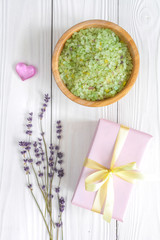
(102, 179)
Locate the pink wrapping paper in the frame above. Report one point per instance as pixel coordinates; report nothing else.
(101, 151)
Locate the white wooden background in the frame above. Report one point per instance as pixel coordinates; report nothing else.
(29, 30)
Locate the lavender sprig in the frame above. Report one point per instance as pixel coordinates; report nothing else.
(41, 114)
(44, 165)
(60, 174)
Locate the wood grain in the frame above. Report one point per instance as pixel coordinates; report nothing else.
(26, 37)
(140, 110)
(29, 31)
(123, 35)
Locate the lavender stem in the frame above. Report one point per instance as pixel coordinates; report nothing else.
(46, 205)
(36, 177)
(50, 201)
(45, 146)
(43, 195)
(57, 233)
(41, 213)
(62, 231)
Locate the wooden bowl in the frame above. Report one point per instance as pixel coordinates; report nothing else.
(123, 35)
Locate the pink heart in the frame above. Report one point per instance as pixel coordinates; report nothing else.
(25, 71)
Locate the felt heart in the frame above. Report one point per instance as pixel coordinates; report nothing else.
(25, 71)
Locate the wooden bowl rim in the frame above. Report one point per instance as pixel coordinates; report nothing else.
(89, 24)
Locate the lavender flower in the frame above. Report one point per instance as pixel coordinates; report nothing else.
(29, 125)
(61, 201)
(28, 148)
(57, 148)
(57, 189)
(58, 126)
(55, 169)
(26, 169)
(61, 204)
(60, 161)
(50, 195)
(42, 156)
(44, 106)
(50, 158)
(62, 208)
(30, 160)
(59, 131)
(21, 143)
(29, 132)
(24, 144)
(23, 152)
(40, 174)
(35, 144)
(60, 173)
(59, 154)
(40, 152)
(40, 161)
(36, 150)
(58, 225)
(30, 186)
(29, 119)
(51, 164)
(51, 147)
(50, 175)
(46, 98)
(41, 115)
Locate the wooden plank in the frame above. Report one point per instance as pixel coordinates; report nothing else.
(140, 110)
(79, 122)
(25, 37)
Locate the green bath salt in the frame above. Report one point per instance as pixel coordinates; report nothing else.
(95, 64)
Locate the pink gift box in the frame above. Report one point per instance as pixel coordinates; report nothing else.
(101, 151)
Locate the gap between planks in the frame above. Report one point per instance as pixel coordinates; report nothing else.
(51, 136)
(117, 111)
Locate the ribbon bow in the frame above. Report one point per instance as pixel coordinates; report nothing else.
(102, 179)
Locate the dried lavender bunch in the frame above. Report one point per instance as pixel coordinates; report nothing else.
(43, 164)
